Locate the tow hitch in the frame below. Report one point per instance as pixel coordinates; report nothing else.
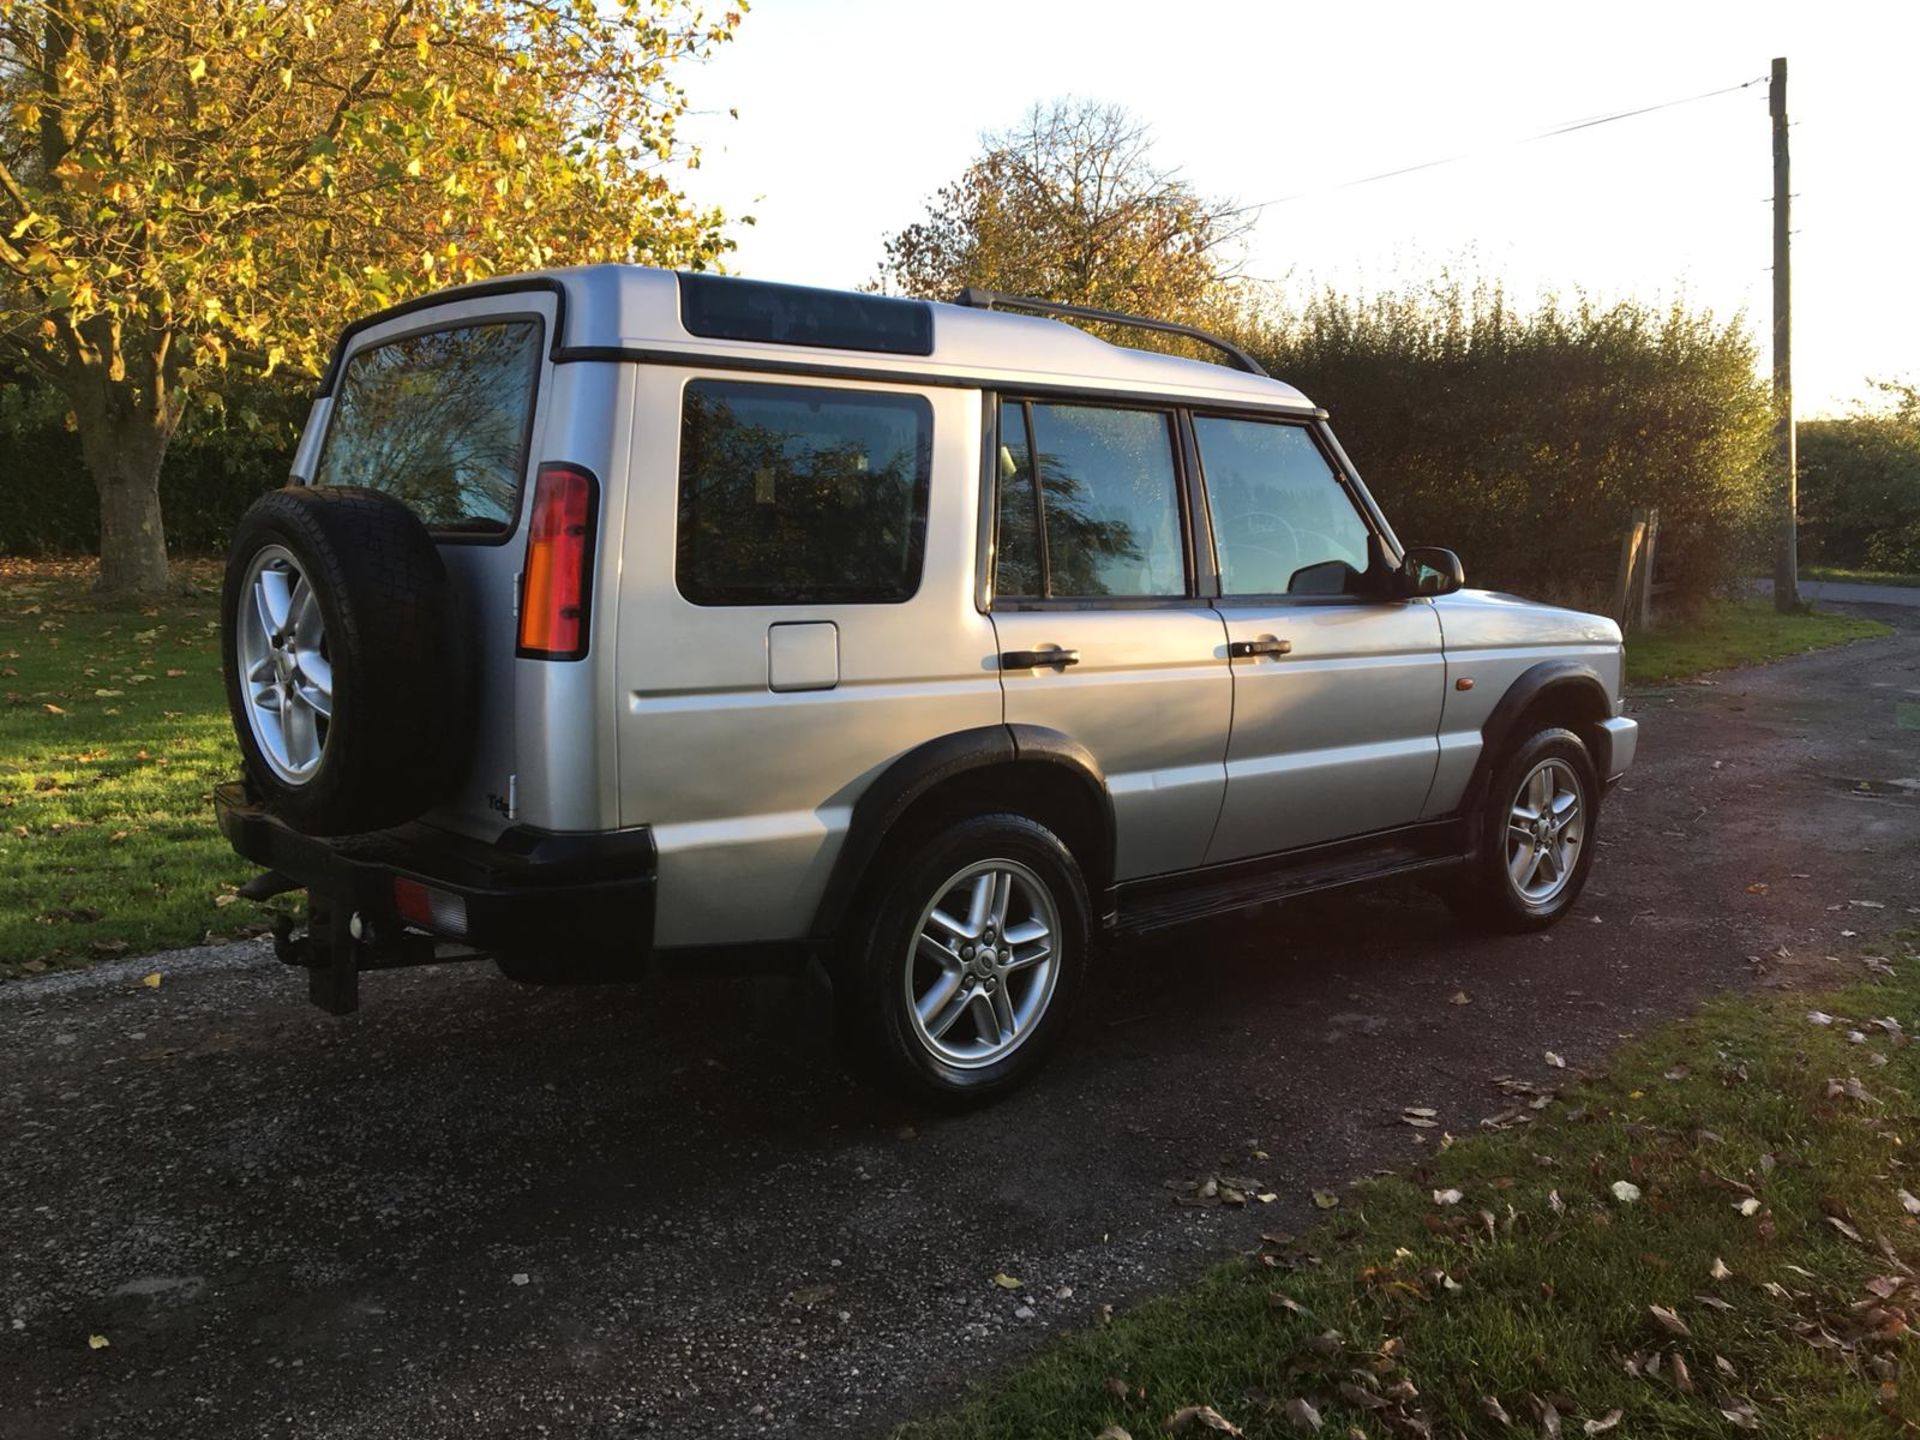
(338, 943)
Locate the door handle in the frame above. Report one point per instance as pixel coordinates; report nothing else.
(1032, 659)
(1247, 649)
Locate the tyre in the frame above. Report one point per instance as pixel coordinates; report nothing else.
(338, 650)
(966, 960)
(1538, 825)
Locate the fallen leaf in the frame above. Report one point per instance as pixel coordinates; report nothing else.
(1718, 1270)
(1006, 1281)
(1748, 1206)
(1447, 1197)
(1459, 997)
(1495, 1410)
(1909, 1203)
(1820, 1017)
(1302, 1414)
(1325, 1199)
(97, 1342)
(1625, 1191)
(1205, 1417)
(1604, 1423)
(1847, 1230)
(1669, 1321)
(1113, 1432)
(1555, 1203)
(56, 710)
(1555, 1061)
(152, 982)
(811, 1294)
(1742, 1414)
(1682, 1377)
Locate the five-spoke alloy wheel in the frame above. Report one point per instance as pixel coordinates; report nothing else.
(1546, 829)
(963, 962)
(1536, 822)
(982, 966)
(282, 644)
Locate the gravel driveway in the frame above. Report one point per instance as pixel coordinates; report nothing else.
(479, 1210)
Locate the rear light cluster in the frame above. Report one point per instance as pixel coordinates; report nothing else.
(559, 574)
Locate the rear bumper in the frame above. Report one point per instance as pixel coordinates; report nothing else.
(529, 890)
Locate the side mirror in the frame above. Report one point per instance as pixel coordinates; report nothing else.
(1430, 570)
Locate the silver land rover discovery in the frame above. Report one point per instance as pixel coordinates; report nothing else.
(616, 617)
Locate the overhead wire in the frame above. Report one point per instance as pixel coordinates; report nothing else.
(1564, 128)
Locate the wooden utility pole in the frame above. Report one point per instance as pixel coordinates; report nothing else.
(1786, 560)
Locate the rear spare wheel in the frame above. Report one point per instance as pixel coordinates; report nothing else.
(337, 646)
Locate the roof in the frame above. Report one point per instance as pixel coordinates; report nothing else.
(613, 308)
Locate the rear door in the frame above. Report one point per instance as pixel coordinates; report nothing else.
(442, 408)
(1337, 690)
(796, 610)
(1101, 632)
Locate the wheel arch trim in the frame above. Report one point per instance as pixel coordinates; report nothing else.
(910, 777)
(1549, 677)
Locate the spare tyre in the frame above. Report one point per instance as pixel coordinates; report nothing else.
(338, 648)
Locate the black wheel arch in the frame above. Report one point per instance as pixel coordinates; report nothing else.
(1553, 692)
(1029, 769)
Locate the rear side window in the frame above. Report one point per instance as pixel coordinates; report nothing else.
(796, 494)
(1282, 521)
(1105, 512)
(440, 420)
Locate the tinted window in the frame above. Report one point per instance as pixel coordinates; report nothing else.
(440, 421)
(792, 494)
(726, 308)
(1112, 510)
(1017, 543)
(1283, 523)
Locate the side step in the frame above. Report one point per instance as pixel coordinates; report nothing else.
(1161, 903)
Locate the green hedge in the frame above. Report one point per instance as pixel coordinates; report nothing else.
(1860, 487)
(216, 465)
(1525, 440)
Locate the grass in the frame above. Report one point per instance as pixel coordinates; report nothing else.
(1537, 1287)
(1858, 577)
(1736, 632)
(112, 733)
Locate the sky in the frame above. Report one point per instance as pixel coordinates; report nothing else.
(852, 112)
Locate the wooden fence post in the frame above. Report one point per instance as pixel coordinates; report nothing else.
(1631, 545)
(1648, 549)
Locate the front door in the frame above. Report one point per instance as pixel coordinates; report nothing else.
(1101, 635)
(1337, 689)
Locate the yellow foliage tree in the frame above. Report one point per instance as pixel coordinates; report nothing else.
(188, 184)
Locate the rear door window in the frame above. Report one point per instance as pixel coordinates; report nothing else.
(1104, 518)
(800, 494)
(440, 420)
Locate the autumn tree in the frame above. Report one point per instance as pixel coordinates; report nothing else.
(1070, 205)
(195, 184)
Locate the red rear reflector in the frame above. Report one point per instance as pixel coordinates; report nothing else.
(430, 909)
(554, 594)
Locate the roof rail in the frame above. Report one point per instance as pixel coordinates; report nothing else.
(979, 299)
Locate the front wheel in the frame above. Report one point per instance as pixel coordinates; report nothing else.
(1537, 836)
(967, 959)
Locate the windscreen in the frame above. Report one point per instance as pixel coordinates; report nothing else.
(440, 420)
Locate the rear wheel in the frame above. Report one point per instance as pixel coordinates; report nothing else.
(967, 960)
(1537, 844)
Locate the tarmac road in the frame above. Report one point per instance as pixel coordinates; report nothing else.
(480, 1210)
